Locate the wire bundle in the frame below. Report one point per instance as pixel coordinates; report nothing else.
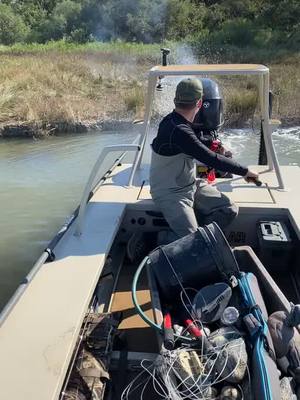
(216, 362)
(167, 381)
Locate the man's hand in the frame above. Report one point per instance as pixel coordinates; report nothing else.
(252, 177)
(227, 153)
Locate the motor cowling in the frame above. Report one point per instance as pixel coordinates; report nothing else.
(210, 117)
(206, 124)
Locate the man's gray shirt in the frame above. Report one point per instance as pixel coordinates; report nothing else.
(172, 171)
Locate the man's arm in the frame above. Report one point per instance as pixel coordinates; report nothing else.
(185, 139)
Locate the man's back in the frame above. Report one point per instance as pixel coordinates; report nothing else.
(172, 170)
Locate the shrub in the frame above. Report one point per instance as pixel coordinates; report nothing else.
(134, 100)
(12, 27)
(239, 32)
(183, 18)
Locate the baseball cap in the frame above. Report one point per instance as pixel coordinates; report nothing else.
(188, 91)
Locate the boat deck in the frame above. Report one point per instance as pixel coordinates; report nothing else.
(38, 337)
(137, 334)
(266, 196)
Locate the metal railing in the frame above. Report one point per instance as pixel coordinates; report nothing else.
(94, 173)
(204, 70)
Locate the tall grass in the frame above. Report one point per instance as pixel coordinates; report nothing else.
(68, 87)
(61, 83)
(62, 46)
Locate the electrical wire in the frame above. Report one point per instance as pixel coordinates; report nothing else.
(168, 383)
(164, 372)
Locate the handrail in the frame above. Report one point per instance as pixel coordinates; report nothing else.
(203, 70)
(145, 127)
(88, 187)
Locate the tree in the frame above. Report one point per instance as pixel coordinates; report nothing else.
(283, 16)
(184, 18)
(12, 26)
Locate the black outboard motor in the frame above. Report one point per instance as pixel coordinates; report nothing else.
(210, 117)
(207, 123)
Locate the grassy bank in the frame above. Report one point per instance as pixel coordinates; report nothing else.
(65, 87)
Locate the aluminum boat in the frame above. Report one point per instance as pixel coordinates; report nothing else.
(85, 271)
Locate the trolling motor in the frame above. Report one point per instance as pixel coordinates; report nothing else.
(165, 52)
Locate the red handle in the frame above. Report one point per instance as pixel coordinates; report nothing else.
(168, 332)
(192, 328)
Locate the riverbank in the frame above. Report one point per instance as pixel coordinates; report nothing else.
(59, 87)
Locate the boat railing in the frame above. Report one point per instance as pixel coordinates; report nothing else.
(214, 69)
(91, 181)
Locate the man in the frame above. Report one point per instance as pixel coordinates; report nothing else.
(185, 202)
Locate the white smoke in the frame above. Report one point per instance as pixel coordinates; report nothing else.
(184, 55)
(164, 102)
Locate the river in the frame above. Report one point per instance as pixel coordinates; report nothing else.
(41, 183)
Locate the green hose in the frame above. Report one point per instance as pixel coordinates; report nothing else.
(134, 297)
(138, 308)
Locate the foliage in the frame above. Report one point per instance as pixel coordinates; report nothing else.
(183, 19)
(218, 26)
(12, 27)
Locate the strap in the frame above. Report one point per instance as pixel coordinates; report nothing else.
(255, 329)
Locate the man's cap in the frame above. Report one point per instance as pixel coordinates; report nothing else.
(188, 91)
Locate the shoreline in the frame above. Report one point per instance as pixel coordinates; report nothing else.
(33, 130)
(29, 131)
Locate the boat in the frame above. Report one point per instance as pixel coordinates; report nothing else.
(84, 270)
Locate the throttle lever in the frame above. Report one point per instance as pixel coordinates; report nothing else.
(256, 181)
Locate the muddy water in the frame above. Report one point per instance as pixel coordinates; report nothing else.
(41, 182)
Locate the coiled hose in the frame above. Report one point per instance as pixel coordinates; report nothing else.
(138, 307)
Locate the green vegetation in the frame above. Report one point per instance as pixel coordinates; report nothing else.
(68, 63)
(216, 23)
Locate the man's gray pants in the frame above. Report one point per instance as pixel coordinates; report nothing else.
(185, 213)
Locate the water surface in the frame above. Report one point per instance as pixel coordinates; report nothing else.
(41, 182)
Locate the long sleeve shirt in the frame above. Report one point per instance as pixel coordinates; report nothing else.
(175, 135)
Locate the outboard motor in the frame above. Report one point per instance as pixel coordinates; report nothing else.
(207, 122)
(210, 117)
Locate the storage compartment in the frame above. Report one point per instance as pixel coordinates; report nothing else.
(264, 299)
(274, 245)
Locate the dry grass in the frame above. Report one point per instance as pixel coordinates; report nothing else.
(53, 88)
(241, 95)
(67, 87)
(285, 84)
